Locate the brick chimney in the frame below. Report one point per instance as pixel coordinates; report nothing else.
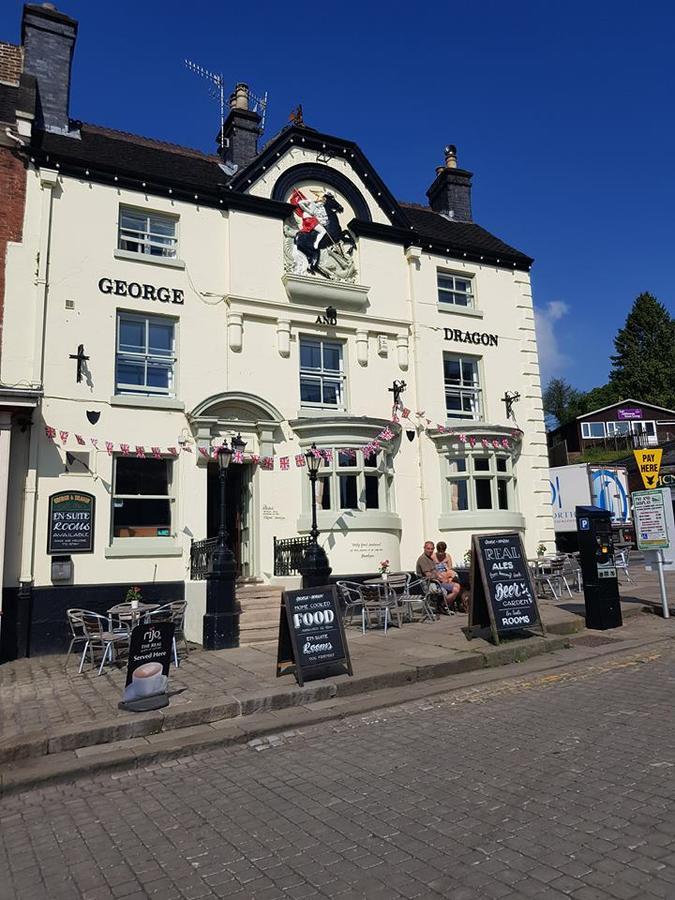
(241, 131)
(450, 194)
(48, 38)
(11, 63)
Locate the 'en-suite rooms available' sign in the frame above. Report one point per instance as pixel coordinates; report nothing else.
(71, 522)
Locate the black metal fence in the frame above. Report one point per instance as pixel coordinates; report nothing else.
(288, 553)
(200, 557)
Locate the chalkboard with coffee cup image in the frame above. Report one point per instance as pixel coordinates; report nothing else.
(312, 637)
(503, 597)
(147, 681)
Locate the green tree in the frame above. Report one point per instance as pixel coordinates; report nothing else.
(561, 400)
(597, 398)
(644, 364)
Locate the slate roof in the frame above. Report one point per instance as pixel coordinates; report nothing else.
(460, 237)
(132, 160)
(134, 156)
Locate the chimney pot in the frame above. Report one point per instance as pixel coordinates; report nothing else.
(239, 97)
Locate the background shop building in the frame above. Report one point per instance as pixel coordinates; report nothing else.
(158, 300)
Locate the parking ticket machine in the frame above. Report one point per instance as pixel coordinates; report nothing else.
(598, 569)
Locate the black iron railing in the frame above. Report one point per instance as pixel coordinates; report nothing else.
(288, 553)
(200, 557)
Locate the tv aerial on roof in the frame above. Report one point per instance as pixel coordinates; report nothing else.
(216, 89)
(217, 92)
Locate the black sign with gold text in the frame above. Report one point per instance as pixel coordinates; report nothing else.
(70, 527)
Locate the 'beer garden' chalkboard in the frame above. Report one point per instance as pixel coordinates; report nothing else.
(311, 632)
(71, 523)
(502, 593)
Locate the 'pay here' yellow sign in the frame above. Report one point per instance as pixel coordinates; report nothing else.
(649, 463)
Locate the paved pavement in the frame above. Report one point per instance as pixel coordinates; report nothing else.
(548, 786)
(40, 701)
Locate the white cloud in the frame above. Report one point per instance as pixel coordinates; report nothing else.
(552, 360)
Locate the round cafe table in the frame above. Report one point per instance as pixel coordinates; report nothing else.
(126, 613)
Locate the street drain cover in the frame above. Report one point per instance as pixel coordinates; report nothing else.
(595, 640)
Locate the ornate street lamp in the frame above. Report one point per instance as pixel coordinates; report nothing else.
(315, 568)
(221, 620)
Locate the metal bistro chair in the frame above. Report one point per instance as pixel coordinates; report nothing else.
(174, 612)
(100, 635)
(417, 594)
(621, 561)
(571, 571)
(351, 593)
(77, 632)
(377, 600)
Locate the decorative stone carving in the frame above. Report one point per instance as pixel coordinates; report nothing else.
(315, 243)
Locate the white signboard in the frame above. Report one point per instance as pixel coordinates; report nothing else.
(651, 529)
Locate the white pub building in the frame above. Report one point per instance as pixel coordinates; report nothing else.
(162, 299)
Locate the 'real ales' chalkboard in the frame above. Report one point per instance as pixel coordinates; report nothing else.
(503, 597)
(311, 633)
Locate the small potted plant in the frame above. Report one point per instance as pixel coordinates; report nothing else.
(134, 597)
(541, 549)
(384, 569)
(467, 558)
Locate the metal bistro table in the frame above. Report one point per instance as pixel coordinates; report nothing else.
(125, 612)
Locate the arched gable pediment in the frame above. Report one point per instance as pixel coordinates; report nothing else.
(326, 175)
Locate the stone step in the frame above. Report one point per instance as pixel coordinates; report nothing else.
(258, 635)
(263, 616)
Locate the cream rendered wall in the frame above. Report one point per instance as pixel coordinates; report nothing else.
(234, 266)
(504, 299)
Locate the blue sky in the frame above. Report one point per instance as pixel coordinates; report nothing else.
(562, 110)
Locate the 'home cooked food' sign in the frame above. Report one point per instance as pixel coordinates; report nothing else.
(311, 632)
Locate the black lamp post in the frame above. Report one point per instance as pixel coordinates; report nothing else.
(315, 567)
(221, 620)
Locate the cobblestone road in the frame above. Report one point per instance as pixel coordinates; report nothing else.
(554, 786)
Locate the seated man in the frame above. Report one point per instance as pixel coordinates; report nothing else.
(446, 574)
(426, 568)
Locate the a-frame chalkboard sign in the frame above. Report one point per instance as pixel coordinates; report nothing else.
(503, 598)
(311, 633)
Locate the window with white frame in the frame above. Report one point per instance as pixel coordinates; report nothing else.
(145, 359)
(147, 232)
(322, 378)
(479, 481)
(462, 387)
(592, 430)
(455, 289)
(350, 481)
(142, 498)
(615, 429)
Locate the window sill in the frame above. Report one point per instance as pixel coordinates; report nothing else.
(147, 402)
(460, 310)
(490, 519)
(311, 412)
(129, 547)
(148, 258)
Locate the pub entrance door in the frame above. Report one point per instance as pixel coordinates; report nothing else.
(237, 511)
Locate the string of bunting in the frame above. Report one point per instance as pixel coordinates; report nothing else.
(267, 463)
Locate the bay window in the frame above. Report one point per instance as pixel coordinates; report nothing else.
(349, 481)
(479, 481)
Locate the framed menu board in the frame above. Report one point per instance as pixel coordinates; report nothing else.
(503, 597)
